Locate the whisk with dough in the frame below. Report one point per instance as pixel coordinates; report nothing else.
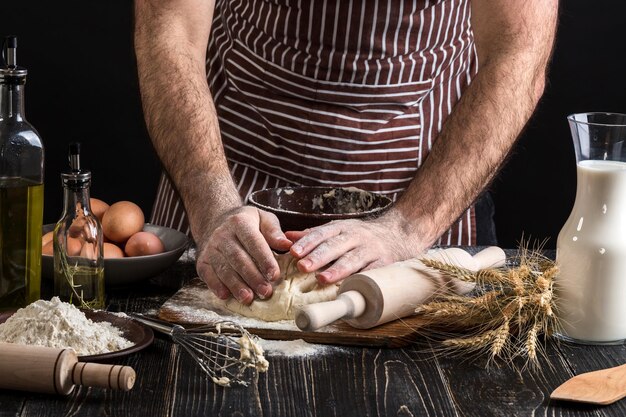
(224, 350)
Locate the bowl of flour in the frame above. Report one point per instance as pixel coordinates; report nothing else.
(94, 335)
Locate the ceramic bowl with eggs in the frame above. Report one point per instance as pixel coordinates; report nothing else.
(133, 250)
(298, 208)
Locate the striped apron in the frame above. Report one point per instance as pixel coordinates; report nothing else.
(333, 92)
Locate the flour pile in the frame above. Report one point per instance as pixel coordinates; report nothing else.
(61, 325)
(294, 348)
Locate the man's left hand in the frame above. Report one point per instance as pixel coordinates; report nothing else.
(343, 247)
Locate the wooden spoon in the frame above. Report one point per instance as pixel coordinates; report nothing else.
(598, 387)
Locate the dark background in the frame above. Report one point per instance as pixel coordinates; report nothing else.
(83, 86)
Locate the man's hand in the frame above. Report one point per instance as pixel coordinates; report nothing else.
(349, 246)
(236, 257)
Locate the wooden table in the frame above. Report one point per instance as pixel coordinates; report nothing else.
(347, 382)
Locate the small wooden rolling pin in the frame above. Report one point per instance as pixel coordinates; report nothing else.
(56, 371)
(377, 296)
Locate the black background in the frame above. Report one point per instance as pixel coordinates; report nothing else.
(83, 86)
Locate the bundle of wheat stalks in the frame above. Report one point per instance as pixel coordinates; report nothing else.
(504, 315)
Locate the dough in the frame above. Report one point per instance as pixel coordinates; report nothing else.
(295, 290)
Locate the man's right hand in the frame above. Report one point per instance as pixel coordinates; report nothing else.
(234, 248)
(236, 257)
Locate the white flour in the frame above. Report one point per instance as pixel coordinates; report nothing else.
(61, 325)
(188, 256)
(293, 348)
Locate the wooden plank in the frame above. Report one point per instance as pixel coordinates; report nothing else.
(185, 308)
(502, 391)
(587, 358)
(11, 403)
(350, 382)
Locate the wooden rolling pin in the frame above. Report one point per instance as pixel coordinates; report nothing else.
(56, 371)
(377, 296)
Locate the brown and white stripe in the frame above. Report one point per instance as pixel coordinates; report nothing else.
(333, 92)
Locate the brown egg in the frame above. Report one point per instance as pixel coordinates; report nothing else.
(98, 207)
(45, 239)
(112, 251)
(143, 243)
(88, 251)
(122, 220)
(74, 246)
(48, 248)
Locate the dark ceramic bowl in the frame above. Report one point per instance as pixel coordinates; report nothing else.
(126, 271)
(299, 208)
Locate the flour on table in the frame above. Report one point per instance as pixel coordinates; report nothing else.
(61, 325)
(199, 307)
(294, 348)
(188, 256)
(296, 289)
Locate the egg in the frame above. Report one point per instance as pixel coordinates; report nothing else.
(122, 220)
(45, 239)
(74, 246)
(112, 251)
(48, 248)
(88, 251)
(143, 243)
(98, 207)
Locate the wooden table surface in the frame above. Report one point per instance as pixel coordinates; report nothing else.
(343, 382)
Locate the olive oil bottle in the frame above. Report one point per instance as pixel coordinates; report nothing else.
(78, 241)
(21, 189)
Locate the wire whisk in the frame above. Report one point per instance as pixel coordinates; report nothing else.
(224, 350)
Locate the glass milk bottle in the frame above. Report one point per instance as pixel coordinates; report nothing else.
(21, 189)
(590, 289)
(77, 240)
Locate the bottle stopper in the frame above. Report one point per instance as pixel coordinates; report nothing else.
(76, 177)
(9, 71)
(74, 156)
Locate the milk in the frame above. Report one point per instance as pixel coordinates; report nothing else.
(591, 255)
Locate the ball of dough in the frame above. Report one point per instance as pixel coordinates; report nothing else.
(296, 289)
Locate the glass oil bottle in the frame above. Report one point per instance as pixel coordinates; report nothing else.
(21, 189)
(77, 241)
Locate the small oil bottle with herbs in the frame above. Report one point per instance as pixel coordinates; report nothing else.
(78, 253)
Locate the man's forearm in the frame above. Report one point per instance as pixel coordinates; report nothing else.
(179, 109)
(477, 136)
